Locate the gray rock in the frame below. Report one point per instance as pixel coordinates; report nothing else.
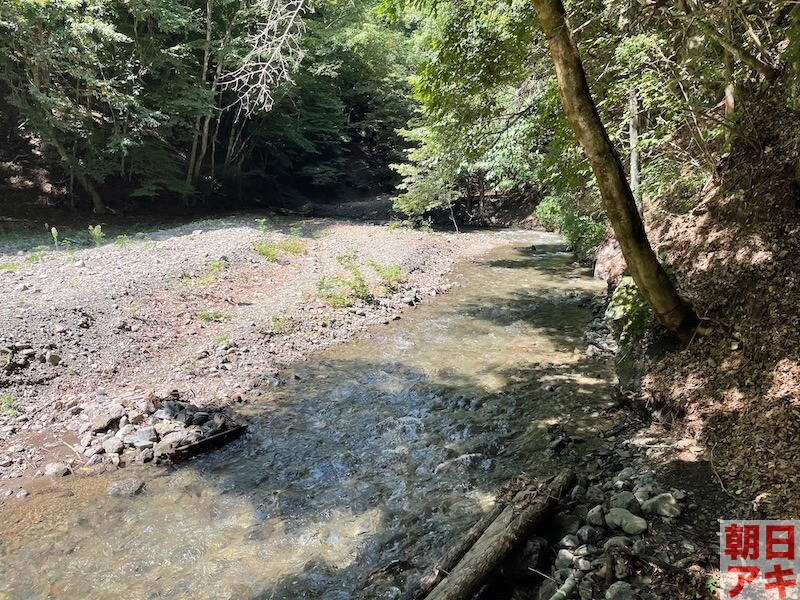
(56, 469)
(569, 541)
(23, 493)
(146, 455)
(107, 418)
(547, 589)
(620, 518)
(113, 445)
(564, 559)
(148, 433)
(595, 517)
(589, 534)
(618, 541)
(620, 590)
(595, 494)
(53, 359)
(127, 488)
(663, 504)
(578, 492)
(625, 500)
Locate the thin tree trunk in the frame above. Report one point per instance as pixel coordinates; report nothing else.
(633, 124)
(651, 279)
(86, 184)
(190, 170)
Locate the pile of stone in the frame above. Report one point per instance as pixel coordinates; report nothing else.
(154, 429)
(15, 356)
(607, 523)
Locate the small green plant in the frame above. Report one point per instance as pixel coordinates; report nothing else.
(342, 292)
(391, 276)
(296, 232)
(123, 240)
(35, 257)
(268, 250)
(320, 233)
(271, 250)
(96, 231)
(283, 325)
(54, 235)
(8, 405)
(213, 316)
(9, 267)
(263, 225)
(292, 246)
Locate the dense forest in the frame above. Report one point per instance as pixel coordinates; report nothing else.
(651, 144)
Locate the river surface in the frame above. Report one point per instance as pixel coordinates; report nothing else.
(369, 460)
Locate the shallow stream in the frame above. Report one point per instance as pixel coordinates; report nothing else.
(364, 466)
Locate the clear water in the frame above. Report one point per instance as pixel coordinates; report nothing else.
(364, 466)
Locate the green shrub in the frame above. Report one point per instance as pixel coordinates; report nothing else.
(583, 233)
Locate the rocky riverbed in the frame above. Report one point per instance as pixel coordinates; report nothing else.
(90, 336)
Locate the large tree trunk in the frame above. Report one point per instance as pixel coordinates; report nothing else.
(653, 283)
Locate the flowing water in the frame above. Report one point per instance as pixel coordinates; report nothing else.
(364, 466)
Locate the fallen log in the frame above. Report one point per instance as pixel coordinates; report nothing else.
(184, 453)
(510, 528)
(447, 563)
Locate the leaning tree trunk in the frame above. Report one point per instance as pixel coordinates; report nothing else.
(654, 284)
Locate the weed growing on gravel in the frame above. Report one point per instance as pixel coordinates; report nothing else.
(320, 233)
(54, 235)
(212, 316)
(9, 267)
(123, 240)
(283, 325)
(342, 292)
(263, 225)
(271, 250)
(7, 404)
(268, 250)
(35, 257)
(96, 231)
(391, 276)
(296, 232)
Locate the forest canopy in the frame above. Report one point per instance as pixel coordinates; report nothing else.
(193, 101)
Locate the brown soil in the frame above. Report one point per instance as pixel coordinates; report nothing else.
(736, 387)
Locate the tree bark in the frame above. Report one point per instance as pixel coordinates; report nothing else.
(651, 279)
(504, 534)
(633, 125)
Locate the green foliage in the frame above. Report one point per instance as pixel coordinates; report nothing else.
(271, 250)
(584, 233)
(96, 232)
(213, 316)
(391, 276)
(283, 325)
(8, 405)
(629, 310)
(54, 235)
(344, 291)
(9, 267)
